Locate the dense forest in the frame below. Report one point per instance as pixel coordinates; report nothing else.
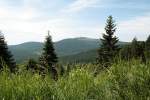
(117, 71)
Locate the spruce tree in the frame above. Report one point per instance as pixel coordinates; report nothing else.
(142, 51)
(147, 48)
(134, 48)
(5, 55)
(125, 52)
(109, 47)
(49, 56)
(32, 65)
(148, 43)
(138, 49)
(62, 70)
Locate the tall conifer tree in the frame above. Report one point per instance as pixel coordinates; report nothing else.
(135, 48)
(32, 65)
(148, 44)
(138, 49)
(5, 55)
(109, 46)
(50, 56)
(148, 47)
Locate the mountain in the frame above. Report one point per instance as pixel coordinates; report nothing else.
(64, 47)
(26, 50)
(75, 45)
(82, 57)
(68, 50)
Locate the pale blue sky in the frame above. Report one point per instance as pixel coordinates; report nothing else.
(29, 20)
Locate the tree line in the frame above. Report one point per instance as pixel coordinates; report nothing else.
(108, 52)
(111, 50)
(46, 64)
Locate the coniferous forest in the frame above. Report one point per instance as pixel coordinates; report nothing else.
(119, 72)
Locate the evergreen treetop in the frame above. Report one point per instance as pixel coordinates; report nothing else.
(109, 46)
(148, 39)
(148, 43)
(109, 41)
(5, 55)
(49, 51)
(49, 57)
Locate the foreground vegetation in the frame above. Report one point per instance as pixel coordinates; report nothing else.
(124, 80)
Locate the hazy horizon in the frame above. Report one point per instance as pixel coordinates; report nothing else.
(29, 20)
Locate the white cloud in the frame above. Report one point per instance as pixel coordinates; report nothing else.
(137, 27)
(28, 23)
(21, 13)
(79, 5)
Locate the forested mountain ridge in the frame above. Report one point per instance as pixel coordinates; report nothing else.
(67, 48)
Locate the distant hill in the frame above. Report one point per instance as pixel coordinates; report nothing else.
(64, 47)
(67, 49)
(75, 45)
(27, 50)
(82, 57)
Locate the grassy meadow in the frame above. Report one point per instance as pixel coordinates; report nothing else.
(122, 81)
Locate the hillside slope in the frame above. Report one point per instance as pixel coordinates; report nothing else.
(64, 47)
(83, 57)
(68, 50)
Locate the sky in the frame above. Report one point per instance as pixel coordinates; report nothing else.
(29, 20)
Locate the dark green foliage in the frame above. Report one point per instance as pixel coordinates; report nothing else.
(135, 50)
(68, 68)
(49, 51)
(32, 65)
(147, 48)
(141, 50)
(109, 45)
(62, 70)
(49, 57)
(5, 55)
(125, 52)
(148, 43)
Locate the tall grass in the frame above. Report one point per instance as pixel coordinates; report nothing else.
(123, 81)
